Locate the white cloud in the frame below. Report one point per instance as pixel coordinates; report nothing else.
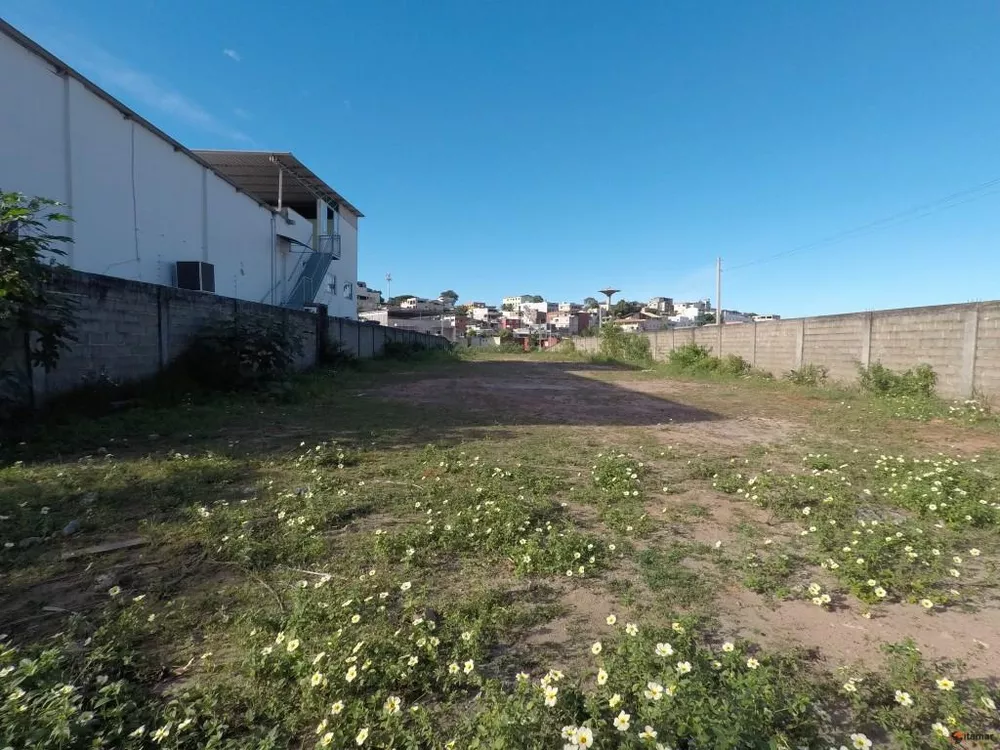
(232, 54)
(137, 88)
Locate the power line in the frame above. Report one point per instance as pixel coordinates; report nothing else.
(911, 214)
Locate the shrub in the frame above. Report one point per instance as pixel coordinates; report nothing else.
(30, 303)
(618, 345)
(240, 354)
(694, 358)
(881, 381)
(691, 357)
(808, 375)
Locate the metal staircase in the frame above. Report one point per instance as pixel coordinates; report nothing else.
(309, 271)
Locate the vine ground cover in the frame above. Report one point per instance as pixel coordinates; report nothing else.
(332, 572)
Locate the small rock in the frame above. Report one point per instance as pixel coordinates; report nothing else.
(105, 581)
(30, 542)
(71, 528)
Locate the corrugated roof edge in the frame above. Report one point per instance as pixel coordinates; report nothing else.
(64, 69)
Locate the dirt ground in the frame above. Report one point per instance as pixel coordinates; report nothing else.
(722, 419)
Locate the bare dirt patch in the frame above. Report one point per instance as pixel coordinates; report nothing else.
(843, 637)
(721, 518)
(565, 640)
(545, 393)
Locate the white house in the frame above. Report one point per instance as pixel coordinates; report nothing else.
(257, 226)
(516, 301)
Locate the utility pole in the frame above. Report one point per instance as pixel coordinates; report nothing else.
(718, 303)
(388, 288)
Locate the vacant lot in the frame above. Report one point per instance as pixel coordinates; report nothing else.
(518, 553)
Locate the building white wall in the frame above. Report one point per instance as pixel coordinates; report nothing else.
(138, 203)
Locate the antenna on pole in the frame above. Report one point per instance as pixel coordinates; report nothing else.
(388, 287)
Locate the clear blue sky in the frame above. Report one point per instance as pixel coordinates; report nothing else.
(534, 146)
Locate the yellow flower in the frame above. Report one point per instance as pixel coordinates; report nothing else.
(728, 647)
(326, 740)
(621, 721)
(940, 729)
(753, 663)
(321, 727)
(860, 741)
(337, 708)
(926, 603)
(292, 645)
(943, 683)
(632, 629)
(115, 591)
(903, 698)
(664, 649)
(316, 679)
(468, 666)
(453, 668)
(392, 704)
(683, 667)
(614, 700)
(351, 673)
(611, 620)
(596, 648)
(602, 677)
(362, 736)
(988, 703)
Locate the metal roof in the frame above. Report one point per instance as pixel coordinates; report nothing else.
(256, 172)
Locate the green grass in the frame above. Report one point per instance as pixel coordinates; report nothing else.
(312, 563)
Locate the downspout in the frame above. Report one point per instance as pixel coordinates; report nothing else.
(274, 246)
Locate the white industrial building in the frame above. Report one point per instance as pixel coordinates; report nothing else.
(257, 226)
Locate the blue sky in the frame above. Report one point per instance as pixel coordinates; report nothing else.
(535, 146)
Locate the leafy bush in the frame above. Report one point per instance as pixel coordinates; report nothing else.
(881, 381)
(694, 358)
(618, 345)
(30, 303)
(241, 353)
(808, 375)
(691, 357)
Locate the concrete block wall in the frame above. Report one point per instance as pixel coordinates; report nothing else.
(130, 330)
(961, 343)
(987, 364)
(836, 342)
(777, 344)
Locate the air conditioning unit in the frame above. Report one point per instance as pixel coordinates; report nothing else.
(196, 275)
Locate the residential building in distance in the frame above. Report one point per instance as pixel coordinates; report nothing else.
(735, 316)
(661, 305)
(516, 301)
(368, 299)
(258, 226)
(641, 323)
(569, 307)
(762, 318)
(566, 323)
(422, 304)
(688, 313)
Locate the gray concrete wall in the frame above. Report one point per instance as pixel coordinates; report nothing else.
(130, 330)
(961, 343)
